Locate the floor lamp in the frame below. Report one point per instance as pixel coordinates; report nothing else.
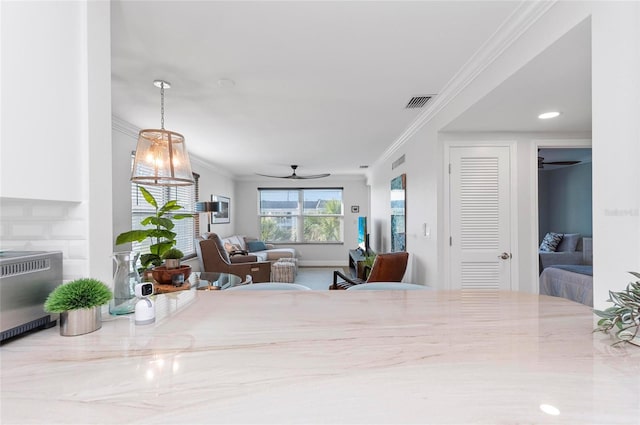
(207, 207)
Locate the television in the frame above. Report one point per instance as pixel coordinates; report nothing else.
(363, 236)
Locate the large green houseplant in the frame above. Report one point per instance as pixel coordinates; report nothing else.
(624, 315)
(158, 230)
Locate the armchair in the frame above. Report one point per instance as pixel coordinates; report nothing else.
(214, 258)
(386, 268)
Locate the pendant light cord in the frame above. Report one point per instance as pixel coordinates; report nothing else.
(162, 105)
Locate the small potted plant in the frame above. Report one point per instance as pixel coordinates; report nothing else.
(78, 303)
(624, 315)
(172, 258)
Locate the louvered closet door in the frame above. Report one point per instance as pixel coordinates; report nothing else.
(480, 222)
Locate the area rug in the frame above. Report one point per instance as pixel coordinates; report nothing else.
(316, 278)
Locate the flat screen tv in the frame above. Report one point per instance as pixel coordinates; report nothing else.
(363, 236)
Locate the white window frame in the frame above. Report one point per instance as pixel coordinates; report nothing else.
(300, 215)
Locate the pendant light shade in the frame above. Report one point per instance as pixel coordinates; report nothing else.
(161, 155)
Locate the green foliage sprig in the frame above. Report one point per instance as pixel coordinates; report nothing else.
(172, 254)
(625, 313)
(77, 294)
(159, 231)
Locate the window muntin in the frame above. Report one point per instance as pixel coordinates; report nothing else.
(301, 215)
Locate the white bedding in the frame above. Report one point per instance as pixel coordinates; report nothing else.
(562, 283)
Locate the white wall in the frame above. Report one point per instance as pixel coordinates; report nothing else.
(616, 38)
(616, 146)
(56, 141)
(355, 192)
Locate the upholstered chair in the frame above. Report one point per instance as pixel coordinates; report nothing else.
(388, 267)
(214, 258)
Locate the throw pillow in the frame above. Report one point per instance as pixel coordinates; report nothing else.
(550, 242)
(569, 242)
(254, 246)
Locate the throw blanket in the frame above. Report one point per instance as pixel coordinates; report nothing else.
(586, 270)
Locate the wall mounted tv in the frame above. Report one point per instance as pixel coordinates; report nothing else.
(363, 236)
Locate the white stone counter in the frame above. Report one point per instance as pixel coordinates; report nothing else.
(328, 357)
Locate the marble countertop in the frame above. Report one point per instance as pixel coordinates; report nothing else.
(329, 357)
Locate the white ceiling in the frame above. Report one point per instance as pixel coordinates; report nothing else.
(319, 84)
(558, 79)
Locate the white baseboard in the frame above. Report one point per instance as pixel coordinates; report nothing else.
(320, 263)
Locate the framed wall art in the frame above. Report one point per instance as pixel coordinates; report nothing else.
(223, 215)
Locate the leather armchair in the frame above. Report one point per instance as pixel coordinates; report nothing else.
(388, 267)
(214, 258)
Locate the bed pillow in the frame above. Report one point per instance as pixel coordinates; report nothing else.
(254, 246)
(550, 242)
(569, 242)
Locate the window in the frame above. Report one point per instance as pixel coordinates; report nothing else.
(301, 215)
(185, 228)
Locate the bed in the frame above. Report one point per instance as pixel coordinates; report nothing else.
(573, 282)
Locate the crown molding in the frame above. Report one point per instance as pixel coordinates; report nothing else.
(218, 169)
(124, 127)
(525, 15)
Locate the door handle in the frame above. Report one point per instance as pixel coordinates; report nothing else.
(505, 256)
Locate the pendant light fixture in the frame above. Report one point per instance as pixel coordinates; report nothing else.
(161, 155)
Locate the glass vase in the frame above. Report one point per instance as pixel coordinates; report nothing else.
(125, 279)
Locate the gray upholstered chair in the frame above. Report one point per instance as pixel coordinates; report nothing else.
(214, 258)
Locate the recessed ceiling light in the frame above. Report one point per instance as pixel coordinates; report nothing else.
(548, 115)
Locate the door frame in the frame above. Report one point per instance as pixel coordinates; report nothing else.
(513, 207)
(535, 220)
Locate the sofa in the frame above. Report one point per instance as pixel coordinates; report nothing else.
(572, 249)
(237, 245)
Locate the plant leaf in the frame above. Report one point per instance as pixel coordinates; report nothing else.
(158, 221)
(181, 216)
(148, 197)
(132, 236)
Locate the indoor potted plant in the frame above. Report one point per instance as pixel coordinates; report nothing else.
(172, 272)
(78, 303)
(624, 315)
(158, 229)
(172, 258)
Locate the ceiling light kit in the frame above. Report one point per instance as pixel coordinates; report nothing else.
(549, 115)
(294, 176)
(161, 155)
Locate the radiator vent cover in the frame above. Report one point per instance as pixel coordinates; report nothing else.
(418, 102)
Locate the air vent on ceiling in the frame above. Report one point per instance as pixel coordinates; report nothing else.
(418, 102)
(397, 162)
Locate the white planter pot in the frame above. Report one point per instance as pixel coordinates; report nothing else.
(80, 322)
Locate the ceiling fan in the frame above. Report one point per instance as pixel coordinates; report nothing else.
(294, 176)
(542, 163)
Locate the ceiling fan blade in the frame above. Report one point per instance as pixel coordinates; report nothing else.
(311, 176)
(275, 177)
(294, 176)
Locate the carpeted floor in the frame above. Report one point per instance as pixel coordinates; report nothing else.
(316, 278)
